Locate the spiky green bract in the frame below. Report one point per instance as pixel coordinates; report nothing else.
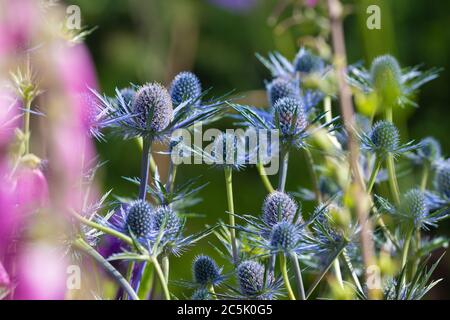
(186, 86)
(281, 88)
(139, 219)
(153, 107)
(307, 62)
(253, 282)
(277, 207)
(284, 237)
(291, 116)
(386, 78)
(128, 95)
(205, 271)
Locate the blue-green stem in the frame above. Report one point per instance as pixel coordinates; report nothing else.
(424, 179)
(265, 180)
(312, 172)
(161, 277)
(283, 170)
(145, 164)
(287, 284)
(373, 176)
(230, 201)
(86, 248)
(337, 272)
(166, 267)
(406, 251)
(393, 184)
(298, 276)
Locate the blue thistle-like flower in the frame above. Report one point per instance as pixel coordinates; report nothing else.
(285, 236)
(278, 206)
(307, 62)
(186, 86)
(201, 294)
(281, 88)
(384, 139)
(291, 116)
(206, 272)
(414, 206)
(386, 78)
(165, 219)
(229, 150)
(139, 218)
(153, 107)
(429, 152)
(442, 180)
(251, 275)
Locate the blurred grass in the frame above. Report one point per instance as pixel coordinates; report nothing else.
(139, 41)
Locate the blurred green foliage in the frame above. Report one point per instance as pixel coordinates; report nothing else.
(139, 41)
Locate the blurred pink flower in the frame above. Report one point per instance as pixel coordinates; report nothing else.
(4, 277)
(9, 116)
(41, 273)
(8, 208)
(31, 189)
(311, 3)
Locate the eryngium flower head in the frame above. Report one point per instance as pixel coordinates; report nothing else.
(278, 207)
(429, 152)
(165, 219)
(281, 88)
(201, 294)
(386, 78)
(307, 62)
(185, 86)
(291, 116)
(205, 271)
(443, 180)
(385, 137)
(414, 206)
(284, 236)
(139, 219)
(153, 107)
(229, 150)
(251, 276)
(128, 95)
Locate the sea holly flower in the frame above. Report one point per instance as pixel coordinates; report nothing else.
(439, 198)
(278, 207)
(392, 84)
(206, 272)
(282, 88)
(384, 139)
(429, 153)
(307, 62)
(255, 283)
(186, 86)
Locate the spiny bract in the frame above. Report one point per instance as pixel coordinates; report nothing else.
(139, 219)
(385, 136)
(201, 294)
(281, 88)
(185, 86)
(284, 236)
(291, 116)
(205, 271)
(128, 95)
(277, 207)
(250, 276)
(153, 106)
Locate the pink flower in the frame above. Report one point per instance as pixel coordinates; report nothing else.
(31, 189)
(41, 273)
(9, 116)
(4, 277)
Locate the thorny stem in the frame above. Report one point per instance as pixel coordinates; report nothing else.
(229, 187)
(312, 171)
(145, 164)
(287, 284)
(335, 11)
(265, 180)
(86, 248)
(298, 276)
(283, 170)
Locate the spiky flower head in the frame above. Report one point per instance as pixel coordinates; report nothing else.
(139, 218)
(385, 137)
(205, 271)
(185, 86)
(284, 236)
(307, 62)
(153, 107)
(165, 219)
(228, 150)
(250, 276)
(386, 78)
(291, 116)
(128, 95)
(201, 294)
(278, 206)
(414, 206)
(430, 149)
(443, 180)
(281, 88)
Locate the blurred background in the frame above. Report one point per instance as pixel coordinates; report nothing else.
(139, 41)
